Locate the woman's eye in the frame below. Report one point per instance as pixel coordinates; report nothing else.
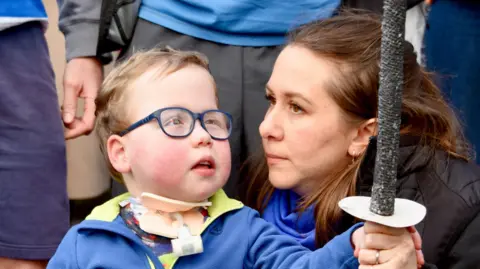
(296, 109)
(270, 99)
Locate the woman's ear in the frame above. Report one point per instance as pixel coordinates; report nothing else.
(362, 137)
(117, 154)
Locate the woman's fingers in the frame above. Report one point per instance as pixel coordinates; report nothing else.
(389, 265)
(420, 258)
(372, 227)
(417, 239)
(400, 257)
(372, 257)
(397, 247)
(384, 242)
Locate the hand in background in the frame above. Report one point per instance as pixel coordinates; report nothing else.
(82, 80)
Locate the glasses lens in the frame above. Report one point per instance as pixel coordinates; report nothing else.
(218, 124)
(176, 122)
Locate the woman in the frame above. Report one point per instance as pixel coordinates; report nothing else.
(319, 141)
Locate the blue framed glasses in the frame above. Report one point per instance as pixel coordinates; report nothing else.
(179, 122)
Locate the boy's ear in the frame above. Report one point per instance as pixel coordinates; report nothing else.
(362, 137)
(117, 154)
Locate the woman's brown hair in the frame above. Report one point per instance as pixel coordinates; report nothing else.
(352, 42)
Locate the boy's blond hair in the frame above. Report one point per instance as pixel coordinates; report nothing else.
(110, 111)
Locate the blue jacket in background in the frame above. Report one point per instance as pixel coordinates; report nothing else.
(22, 8)
(234, 237)
(15, 12)
(236, 22)
(256, 23)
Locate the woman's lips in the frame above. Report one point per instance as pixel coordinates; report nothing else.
(274, 159)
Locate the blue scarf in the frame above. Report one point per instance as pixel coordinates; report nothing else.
(281, 212)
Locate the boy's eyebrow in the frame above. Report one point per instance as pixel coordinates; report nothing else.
(291, 95)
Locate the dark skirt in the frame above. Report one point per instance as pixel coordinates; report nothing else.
(34, 212)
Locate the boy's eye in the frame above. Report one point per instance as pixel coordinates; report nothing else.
(213, 122)
(173, 121)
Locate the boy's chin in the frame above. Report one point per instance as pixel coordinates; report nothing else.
(189, 197)
(193, 196)
(202, 197)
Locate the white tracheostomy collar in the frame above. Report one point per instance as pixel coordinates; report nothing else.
(181, 221)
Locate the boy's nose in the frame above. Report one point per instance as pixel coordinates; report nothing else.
(200, 137)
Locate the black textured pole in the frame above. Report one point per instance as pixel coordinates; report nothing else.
(389, 107)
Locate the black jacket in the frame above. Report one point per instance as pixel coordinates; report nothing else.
(450, 190)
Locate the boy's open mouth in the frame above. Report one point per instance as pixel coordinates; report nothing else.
(205, 163)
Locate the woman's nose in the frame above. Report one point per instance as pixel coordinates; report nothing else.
(271, 127)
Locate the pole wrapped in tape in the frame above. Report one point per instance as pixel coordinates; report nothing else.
(389, 107)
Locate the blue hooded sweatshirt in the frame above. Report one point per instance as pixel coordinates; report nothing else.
(234, 237)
